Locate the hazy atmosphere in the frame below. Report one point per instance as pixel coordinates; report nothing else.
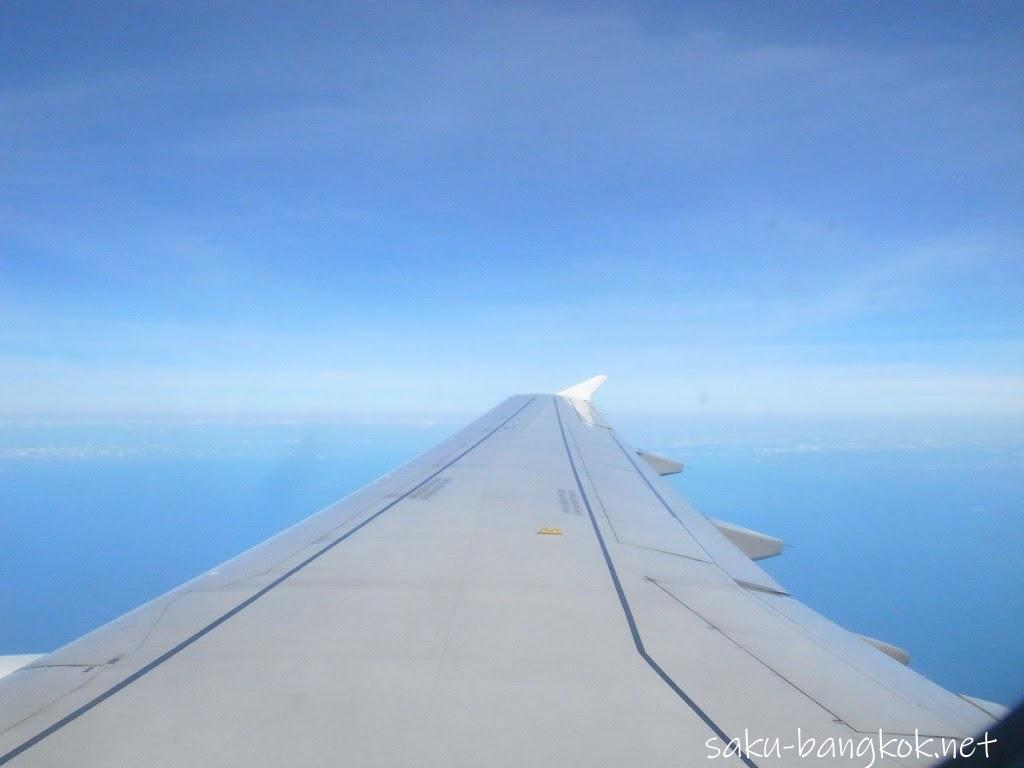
(230, 208)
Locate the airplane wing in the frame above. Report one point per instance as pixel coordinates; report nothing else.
(529, 592)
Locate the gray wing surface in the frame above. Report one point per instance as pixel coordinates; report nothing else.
(424, 621)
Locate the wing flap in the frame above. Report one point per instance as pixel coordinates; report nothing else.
(865, 690)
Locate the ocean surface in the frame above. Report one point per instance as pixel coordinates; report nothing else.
(919, 543)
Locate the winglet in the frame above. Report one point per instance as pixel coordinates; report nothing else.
(585, 389)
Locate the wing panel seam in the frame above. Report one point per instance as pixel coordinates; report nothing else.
(685, 527)
(624, 602)
(174, 651)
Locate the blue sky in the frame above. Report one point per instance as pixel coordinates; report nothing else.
(252, 209)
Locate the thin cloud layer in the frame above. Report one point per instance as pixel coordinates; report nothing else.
(300, 210)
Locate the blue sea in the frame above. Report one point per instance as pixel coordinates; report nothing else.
(915, 540)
